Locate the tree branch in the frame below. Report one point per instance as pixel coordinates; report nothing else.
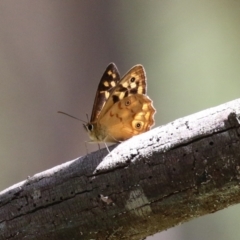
(174, 173)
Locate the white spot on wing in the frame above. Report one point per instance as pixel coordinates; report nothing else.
(113, 84)
(106, 84)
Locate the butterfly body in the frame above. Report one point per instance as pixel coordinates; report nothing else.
(121, 108)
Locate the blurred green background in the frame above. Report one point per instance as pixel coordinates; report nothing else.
(53, 54)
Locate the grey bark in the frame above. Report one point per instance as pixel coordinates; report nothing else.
(169, 175)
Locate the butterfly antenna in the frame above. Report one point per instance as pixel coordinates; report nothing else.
(87, 117)
(72, 116)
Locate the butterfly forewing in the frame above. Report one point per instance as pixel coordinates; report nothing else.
(108, 82)
(134, 82)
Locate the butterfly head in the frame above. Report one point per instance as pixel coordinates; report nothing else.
(89, 127)
(97, 133)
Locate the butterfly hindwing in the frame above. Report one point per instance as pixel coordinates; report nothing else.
(108, 82)
(128, 117)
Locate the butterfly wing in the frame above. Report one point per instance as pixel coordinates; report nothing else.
(128, 117)
(108, 82)
(134, 82)
(121, 108)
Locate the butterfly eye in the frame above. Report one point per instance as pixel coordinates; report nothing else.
(138, 125)
(127, 103)
(132, 79)
(90, 127)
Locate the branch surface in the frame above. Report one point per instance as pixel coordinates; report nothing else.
(154, 181)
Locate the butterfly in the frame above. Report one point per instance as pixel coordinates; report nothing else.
(121, 108)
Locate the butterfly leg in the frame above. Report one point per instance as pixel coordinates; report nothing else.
(106, 147)
(85, 143)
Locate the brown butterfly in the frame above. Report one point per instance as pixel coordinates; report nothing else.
(121, 108)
